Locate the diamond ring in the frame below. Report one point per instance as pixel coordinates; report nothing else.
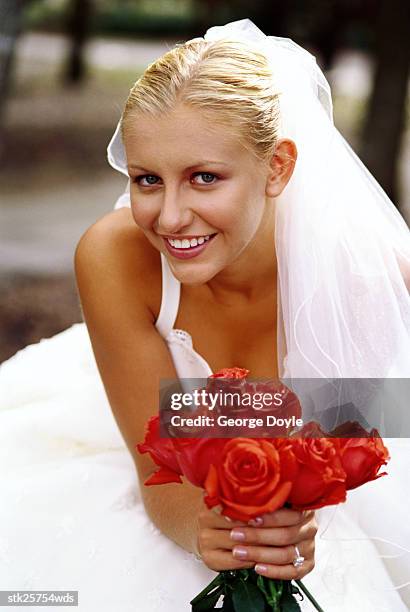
(298, 560)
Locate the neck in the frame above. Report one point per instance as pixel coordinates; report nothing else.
(252, 277)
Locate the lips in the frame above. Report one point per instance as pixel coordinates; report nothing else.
(190, 252)
(186, 237)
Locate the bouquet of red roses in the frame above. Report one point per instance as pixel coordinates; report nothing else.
(248, 477)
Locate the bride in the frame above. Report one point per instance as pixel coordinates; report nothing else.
(249, 235)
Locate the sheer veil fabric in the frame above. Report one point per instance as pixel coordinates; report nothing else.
(343, 249)
(343, 255)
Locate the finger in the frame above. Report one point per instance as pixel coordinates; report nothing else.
(281, 518)
(211, 519)
(219, 560)
(284, 517)
(213, 539)
(274, 536)
(274, 555)
(285, 572)
(226, 539)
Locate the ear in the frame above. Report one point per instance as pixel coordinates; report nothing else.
(281, 166)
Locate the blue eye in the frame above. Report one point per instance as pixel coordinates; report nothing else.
(145, 176)
(148, 178)
(208, 174)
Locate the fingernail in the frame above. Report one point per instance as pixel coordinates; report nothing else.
(228, 519)
(238, 535)
(260, 569)
(255, 522)
(239, 552)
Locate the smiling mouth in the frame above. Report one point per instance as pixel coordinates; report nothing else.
(186, 244)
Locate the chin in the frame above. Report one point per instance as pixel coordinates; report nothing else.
(192, 274)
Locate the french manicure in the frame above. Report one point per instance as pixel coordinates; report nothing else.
(238, 535)
(239, 552)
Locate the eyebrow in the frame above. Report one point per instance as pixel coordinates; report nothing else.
(204, 162)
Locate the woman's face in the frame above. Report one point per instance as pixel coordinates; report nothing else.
(193, 181)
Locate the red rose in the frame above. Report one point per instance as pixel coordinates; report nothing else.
(230, 373)
(162, 452)
(311, 429)
(290, 405)
(227, 380)
(250, 477)
(321, 478)
(362, 458)
(196, 455)
(349, 429)
(258, 393)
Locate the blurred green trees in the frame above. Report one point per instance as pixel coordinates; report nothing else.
(117, 17)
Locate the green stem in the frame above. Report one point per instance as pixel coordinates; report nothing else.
(274, 595)
(277, 589)
(309, 595)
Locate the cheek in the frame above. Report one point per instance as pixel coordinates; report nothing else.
(137, 216)
(240, 220)
(144, 215)
(226, 214)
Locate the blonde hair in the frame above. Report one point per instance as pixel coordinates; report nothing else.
(229, 81)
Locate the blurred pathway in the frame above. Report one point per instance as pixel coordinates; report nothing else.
(40, 229)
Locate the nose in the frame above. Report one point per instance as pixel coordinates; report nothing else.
(175, 213)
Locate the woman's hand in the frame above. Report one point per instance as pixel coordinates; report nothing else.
(268, 544)
(214, 544)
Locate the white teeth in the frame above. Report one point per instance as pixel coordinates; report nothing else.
(186, 244)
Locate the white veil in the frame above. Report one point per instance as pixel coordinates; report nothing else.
(343, 249)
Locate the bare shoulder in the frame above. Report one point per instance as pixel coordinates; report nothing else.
(113, 256)
(118, 277)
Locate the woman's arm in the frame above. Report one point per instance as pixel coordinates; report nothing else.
(113, 271)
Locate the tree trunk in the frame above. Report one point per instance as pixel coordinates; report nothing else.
(10, 28)
(78, 30)
(382, 134)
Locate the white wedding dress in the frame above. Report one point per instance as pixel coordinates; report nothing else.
(71, 515)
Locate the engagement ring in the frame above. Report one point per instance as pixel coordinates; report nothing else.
(298, 560)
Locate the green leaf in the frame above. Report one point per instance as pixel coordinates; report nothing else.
(227, 603)
(288, 603)
(208, 602)
(216, 582)
(247, 598)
